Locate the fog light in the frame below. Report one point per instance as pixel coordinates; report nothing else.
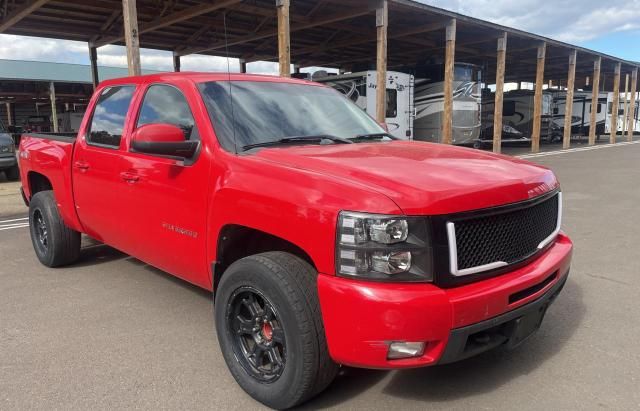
(398, 350)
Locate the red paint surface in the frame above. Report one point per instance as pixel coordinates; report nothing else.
(172, 214)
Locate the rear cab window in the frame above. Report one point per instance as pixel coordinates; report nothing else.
(109, 116)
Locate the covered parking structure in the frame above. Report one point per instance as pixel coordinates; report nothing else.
(45, 96)
(345, 34)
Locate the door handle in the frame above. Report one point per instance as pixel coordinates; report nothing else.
(81, 165)
(129, 177)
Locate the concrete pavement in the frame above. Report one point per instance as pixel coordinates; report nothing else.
(111, 332)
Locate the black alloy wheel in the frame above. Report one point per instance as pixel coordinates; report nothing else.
(55, 244)
(42, 234)
(258, 338)
(269, 326)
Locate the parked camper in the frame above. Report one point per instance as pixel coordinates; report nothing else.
(361, 89)
(517, 117)
(621, 123)
(429, 103)
(581, 113)
(415, 103)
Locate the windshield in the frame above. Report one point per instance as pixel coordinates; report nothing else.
(266, 111)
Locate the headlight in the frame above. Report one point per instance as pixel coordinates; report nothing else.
(383, 247)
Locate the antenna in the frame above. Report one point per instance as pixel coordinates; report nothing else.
(226, 50)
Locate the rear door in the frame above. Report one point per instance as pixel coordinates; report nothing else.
(167, 200)
(398, 107)
(97, 185)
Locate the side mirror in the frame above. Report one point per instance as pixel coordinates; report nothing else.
(163, 140)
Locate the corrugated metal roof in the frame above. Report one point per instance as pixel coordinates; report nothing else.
(63, 72)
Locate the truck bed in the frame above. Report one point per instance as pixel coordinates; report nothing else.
(48, 157)
(64, 137)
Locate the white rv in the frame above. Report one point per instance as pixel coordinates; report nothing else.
(517, 117)
(415, 105)
(621, 123)
(581, 113)
(361, 89)
(429, 103)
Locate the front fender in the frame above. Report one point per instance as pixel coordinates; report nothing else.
(296, 205)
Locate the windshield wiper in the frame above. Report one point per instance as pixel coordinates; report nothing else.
(298, 139)
(373, 136)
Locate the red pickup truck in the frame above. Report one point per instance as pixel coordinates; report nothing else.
(324, 240)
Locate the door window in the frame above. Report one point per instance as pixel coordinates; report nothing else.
(166, 104)
(392, 103)
(109, 116)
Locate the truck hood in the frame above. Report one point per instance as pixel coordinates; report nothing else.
(423, 178)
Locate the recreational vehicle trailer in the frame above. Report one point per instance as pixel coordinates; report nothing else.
(361, 89)
(517, 117)
(622, 125)
(581, 113)
(415, 103)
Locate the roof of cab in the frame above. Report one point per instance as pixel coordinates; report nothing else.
(201, 77)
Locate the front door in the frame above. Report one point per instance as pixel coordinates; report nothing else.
(167, 199)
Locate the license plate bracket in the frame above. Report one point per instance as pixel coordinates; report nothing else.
(522, 328)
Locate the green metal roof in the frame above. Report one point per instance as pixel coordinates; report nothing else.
(61, 72)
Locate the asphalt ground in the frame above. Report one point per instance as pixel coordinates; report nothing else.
(111, 332)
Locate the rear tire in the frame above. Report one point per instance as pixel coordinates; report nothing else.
(13, 173)
(289, 321)
(55, 244)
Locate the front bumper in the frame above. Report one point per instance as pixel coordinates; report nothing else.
(8, 162)
(362, 318)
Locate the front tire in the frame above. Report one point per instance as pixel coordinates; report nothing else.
(55, 244)
(270, 329)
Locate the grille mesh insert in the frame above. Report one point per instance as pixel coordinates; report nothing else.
(510, 237)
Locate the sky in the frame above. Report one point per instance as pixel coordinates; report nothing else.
(611, 26)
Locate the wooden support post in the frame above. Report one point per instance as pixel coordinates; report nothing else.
(93, 58)
(537, 100)
(284, 43)
(497, 113)
(382, 14)
(54, 109)
(616, 104)
(9, 118)
(595, 93)
(132, 41)
(176, 62)
(449, 60)
(243, 65)
(625, 121)
(568, 110)
(632, 104)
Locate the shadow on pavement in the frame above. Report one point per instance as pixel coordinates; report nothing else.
(484, 373)
(94, 253)
(201, 292)
(350, 383)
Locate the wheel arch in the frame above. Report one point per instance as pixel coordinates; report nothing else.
(38, 182)
(238, 241)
